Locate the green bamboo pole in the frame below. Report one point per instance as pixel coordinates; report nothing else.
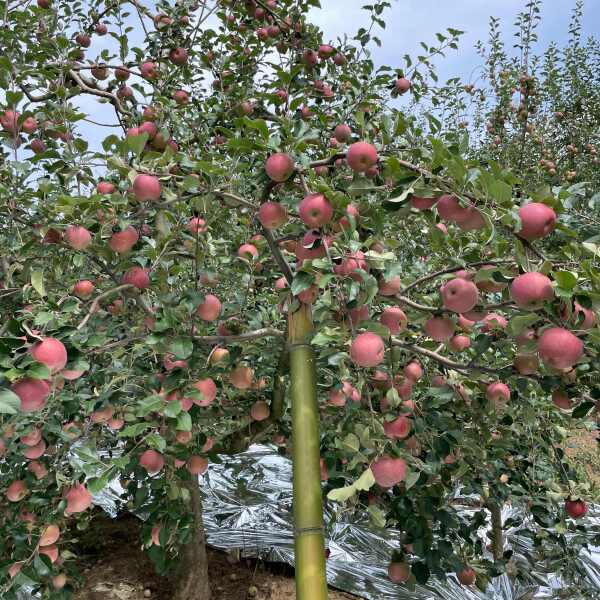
(311, 579)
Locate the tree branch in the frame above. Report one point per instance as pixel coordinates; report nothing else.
(242, 337)
(96, 303)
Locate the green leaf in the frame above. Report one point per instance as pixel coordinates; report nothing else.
(9, 402)
(181, 347)
(96, 484)
(342, 494)
(137, 143)
(37, 281)
(565, 279)
(582, 410)
(172, 409)
(352, 442)
(411, 479)
(184, 422)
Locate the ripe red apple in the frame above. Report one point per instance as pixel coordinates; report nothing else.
(559, 348)
(197, 465)
(342, 133)
(146, 187)
(260, 411)
(413, 371)
(138, 277)
(152, 461)
(59, 581)
(358, 314)
(310, 58)
(149, 70)
(210, 309)
(101, 29)
(309, 295)
(105, 187)
(449, 208)
(33, 393)
(38, 469)
(208, 389)
(248, 251)
(152, 130)
(561, 399)
(181, 97)
(575, 508)
(493, 321)
(122, 73)
(78, 237)
(38, 146)
(83, 40)
(29, 125)
(241, 377)
(78, 499)
(440, 329)
(389, 288)
(83, 288)
(367, 350)
(459, 295)
(49, 536)
(399, 572)
(537, 221)
(459, 343)
(402, 85)
(178, 56)
(589, 317)
(272, 215)
(394, 319)
(197, 225)
(497, 392)
(9, 121)
(124, 241)
(397, 429)
(50, 352)
(531, 290)
(32, 438)
(315, 211)
(280, 166)
(388, 471)
(467, 576)
(16, 491)
(99, 72)
(422, 203)
(43, 4)
(361, 156)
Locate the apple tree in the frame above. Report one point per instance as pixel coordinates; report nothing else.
(270, 243)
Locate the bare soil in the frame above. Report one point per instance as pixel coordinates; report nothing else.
(115, 568)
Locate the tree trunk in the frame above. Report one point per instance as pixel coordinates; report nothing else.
(192, 581)
(311, 579)
(497, 538)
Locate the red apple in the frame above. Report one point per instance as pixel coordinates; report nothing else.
(78, 499)
(342, 133)
(399, 572)
(178, 56)
(440, 329)
(559, 348)
(575, 508)
(124, 241)
(241, 377)
(397, 429)
(272, 215)
(402, 85)
(531, 290)
(315, 211)
(136, 276)
(149, 70)
(460, 342)
(152, 461)
(260, 411)
(197, 465)
(394, 319)
(50, 352)
(78, 237)
(361, 156)
(210, 309)
(279, 167)
(459, 295)
(33, 393)
(537, 221)
(146, 187)
(208, 389)
(367, 350)
(388, 471)
(83, 288)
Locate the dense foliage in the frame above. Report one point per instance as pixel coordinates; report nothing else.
(254, 171)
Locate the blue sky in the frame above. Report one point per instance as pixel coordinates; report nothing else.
(412, 21)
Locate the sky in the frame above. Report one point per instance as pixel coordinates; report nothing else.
(411, 21)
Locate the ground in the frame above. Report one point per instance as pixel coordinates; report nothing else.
(115, 568)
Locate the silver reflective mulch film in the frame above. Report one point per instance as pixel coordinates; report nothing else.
(248, 503)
